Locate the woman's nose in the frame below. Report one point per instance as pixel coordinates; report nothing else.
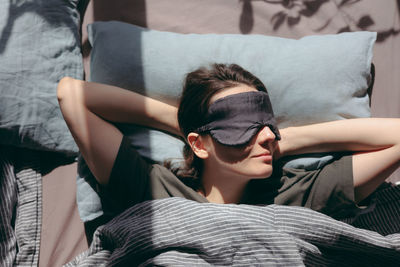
(266, 135)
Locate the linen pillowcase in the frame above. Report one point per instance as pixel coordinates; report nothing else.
(313, 79)
(39, 44)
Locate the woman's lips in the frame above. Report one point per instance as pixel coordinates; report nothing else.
(264, 156)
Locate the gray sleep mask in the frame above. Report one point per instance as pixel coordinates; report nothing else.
(233, 120)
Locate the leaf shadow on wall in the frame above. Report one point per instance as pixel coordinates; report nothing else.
(294, 10)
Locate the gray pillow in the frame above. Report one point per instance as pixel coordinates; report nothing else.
(313, 79)
(39, 44)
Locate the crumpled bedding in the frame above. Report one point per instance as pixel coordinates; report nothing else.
(20, 207)
(179, 232)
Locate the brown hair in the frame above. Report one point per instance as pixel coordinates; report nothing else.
(199, 86)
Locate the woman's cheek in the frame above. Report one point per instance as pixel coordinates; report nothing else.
(229, 154)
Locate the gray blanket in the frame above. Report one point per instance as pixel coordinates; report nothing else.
(179, 232)
(20, 207)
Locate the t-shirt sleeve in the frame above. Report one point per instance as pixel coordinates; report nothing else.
(329, 190)
(129, 178)
(333, 191)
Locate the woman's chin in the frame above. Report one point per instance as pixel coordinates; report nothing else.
(261, 174)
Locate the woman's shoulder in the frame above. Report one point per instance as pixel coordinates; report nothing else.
(164, 183)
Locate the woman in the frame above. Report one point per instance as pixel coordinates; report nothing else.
(232, 140)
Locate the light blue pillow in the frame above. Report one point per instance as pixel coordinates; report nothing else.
(39, 44)
(313, 79)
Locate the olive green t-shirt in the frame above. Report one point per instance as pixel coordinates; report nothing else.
(134, 180)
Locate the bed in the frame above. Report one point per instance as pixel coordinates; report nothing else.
(37, 148)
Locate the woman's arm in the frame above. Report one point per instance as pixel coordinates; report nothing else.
(88, 108)
(376, 143)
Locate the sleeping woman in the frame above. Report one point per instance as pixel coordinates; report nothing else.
(233, 146)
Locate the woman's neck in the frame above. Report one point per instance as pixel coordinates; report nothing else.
(222, 188)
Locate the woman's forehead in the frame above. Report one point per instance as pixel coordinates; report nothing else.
(241, 88)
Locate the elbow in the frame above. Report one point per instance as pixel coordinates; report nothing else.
(398, 130)
(396, 134)
(65, 85)
(69, 96)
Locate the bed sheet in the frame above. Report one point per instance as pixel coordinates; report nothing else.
(278, 18)
(62, 233)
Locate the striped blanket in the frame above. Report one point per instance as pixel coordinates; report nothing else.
(20, 207)
(179, 232)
